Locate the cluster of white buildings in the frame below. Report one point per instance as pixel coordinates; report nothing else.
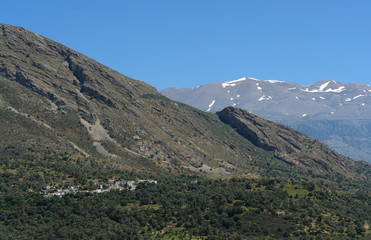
(99, 187)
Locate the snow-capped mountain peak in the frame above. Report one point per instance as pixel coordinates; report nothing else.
(325, 86)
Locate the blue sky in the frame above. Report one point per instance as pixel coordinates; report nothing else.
(185, 43)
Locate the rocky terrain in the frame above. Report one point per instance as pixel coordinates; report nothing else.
(337, 114)
(288, 145)
(53, 98)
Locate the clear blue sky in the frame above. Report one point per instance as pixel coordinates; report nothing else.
(184, 43)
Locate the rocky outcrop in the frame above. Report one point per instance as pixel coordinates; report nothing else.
(288, 145)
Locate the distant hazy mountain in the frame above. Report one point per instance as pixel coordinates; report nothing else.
(335, 113)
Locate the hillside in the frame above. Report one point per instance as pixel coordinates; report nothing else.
(55, 99)
(68, 122)
(337, 114)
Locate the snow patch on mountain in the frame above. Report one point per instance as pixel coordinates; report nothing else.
(238, 80)
(264, 98)
(323, 86)
(337, 90)
(274, 81)
(358, 96)
(210, 106)
(233, 82)
(228, 85)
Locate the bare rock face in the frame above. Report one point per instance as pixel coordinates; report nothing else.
(288, 145)
(47, 67)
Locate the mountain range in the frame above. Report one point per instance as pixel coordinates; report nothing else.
(69, 122)
(55, 100)
(337, 114)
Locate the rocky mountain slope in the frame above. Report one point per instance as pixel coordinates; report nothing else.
(337, 114)
(58, 105)
(288, 145)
